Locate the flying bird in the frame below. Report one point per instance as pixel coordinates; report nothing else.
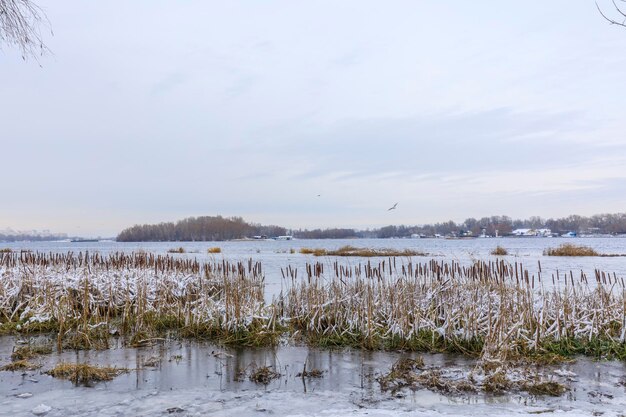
(393, 207)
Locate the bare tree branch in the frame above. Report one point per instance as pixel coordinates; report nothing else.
(618, 9)
(20, 23)
(611, 20)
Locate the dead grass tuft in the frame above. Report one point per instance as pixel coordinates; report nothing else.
(214, 250)
(497, 382)
(20, 365)
(313, 373)
(362, 252)
(551, 388)
(97, 339)
(264, 375)
(176, 250)
(85, 374)
(30, 351)
(403, 373)
(152, 362)
(568, 249)
(316, 252)
(499, 251)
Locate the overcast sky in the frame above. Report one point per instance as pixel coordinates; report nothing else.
(152, 111)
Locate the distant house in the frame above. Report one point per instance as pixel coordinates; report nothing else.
(532, 232)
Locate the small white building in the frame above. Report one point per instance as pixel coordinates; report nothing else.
(532, 232)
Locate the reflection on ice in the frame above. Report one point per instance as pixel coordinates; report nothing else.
(189, 379)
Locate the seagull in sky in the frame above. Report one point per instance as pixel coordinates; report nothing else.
(393, 207)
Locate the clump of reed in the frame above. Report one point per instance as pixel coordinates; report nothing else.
(85, 374)
(361, 252)
(499, 251)
(20, 365)
(176, 250)
(413, 374)
(22, 355)
(550, 388)
(313, 373)
(263, 375)
(403, 373)
(6, 250)
(30, 351)
(86, 298)
(316, 252)
(214, 250)
(568, 249)
(487, 309)
(152, 362)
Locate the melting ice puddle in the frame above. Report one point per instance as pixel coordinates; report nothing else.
(188, 380)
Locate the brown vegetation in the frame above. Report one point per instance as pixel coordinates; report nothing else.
(551, 388)
(500, 251)
(362, 252)
(313, 373)
(176, 250)
(20, 365)
(390, 304)
(411, 374)
(30, 351)
(85, 374)
(263, 375)
(214, 250)
(568, 249)
(138, 296)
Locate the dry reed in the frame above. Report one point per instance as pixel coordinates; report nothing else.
(85, 374)
(499, 251)
(493, 310)
(568, 249)
(176, 250)
(20, 365)
(361, 252)
(488, 309)
(85, 298)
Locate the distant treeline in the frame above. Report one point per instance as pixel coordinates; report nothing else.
(599, 224)
(204, 228)
(31, 237)
(215, 228)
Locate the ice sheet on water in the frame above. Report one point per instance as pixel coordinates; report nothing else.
(202, 383)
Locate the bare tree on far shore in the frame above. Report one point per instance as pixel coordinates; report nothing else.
(620, 14)
(20, 26)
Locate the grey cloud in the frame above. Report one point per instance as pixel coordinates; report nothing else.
(440, 145)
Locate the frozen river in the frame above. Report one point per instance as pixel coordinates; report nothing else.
(190, 381)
